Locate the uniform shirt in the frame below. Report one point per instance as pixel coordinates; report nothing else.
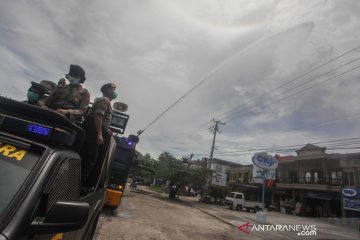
(75, 99)
(102, 106)
(39, 103)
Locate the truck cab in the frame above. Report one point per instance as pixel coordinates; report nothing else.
(236, 200)
(40, 176)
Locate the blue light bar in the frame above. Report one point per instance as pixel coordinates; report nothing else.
(38, 129)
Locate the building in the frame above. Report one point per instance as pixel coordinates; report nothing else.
(242, 179)
(240, 175)
(316, 179)
(221, 170)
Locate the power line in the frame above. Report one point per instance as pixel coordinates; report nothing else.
(288, 150)
(293, 94)
(336, 142)
(313, 79)
(204, 79)
(292, 80)
(341, 144)
(207, 76)
(353, 116)
(284, 151)
(325, 122)
(297, 145)
(201, 132)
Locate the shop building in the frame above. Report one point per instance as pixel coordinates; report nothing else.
(316, 179)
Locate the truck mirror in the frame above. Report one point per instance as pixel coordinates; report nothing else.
(64, 216)
(121, 107)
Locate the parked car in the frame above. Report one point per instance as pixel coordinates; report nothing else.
(236, 200)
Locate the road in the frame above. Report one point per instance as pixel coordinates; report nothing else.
(144, 216)
(147, 215)
(324, 229)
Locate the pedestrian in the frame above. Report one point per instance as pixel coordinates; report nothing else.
(97, 128)
(70, 100)
(36, 94)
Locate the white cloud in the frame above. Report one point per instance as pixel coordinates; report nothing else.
(157, 50)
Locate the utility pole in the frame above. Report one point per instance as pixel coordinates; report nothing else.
(190, 158)
(215, 128)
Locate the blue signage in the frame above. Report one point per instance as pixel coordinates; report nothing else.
(351, 198)
(349, 192)
(38, 129)
(265, 161)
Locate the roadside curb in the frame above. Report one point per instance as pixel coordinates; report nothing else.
(214, 216)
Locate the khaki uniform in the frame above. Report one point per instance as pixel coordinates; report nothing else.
(93, 153)
(75, 99)
(39, 103)
(103, 106)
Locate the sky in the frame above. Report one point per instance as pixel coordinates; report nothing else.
(245, 57)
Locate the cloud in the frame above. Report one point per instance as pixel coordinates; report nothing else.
(157, 50)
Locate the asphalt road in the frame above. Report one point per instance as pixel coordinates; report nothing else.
(324, 228)
(144, 216)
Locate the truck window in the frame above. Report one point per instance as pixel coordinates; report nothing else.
(238, 196)
(15, 166)
(231, 195)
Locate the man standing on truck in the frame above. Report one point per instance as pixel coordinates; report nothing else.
(36, 94)
(71, 100)
(97, 128)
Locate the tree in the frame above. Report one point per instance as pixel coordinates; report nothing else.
(146, 166)
(178, 173)
(218, 192)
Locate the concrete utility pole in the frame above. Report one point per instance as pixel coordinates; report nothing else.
(215, 128)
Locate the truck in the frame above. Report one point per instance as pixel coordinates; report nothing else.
(124, 159)
(236, 200)
(40, 175)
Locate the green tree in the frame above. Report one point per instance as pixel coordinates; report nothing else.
(178, 173)
(146, 166)
(218, 192)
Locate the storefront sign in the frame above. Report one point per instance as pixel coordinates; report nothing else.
(265, 161)
(270, 176)
(351, 198)
(349, 192)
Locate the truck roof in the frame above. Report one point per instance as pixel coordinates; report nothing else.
(39, 124)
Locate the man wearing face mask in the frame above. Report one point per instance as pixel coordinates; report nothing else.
(96, 126)
(71, 100)
(36, 94)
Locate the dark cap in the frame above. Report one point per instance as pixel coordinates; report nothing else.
(49, 85)
(77, 71)
(38, 88)
(107, 86)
